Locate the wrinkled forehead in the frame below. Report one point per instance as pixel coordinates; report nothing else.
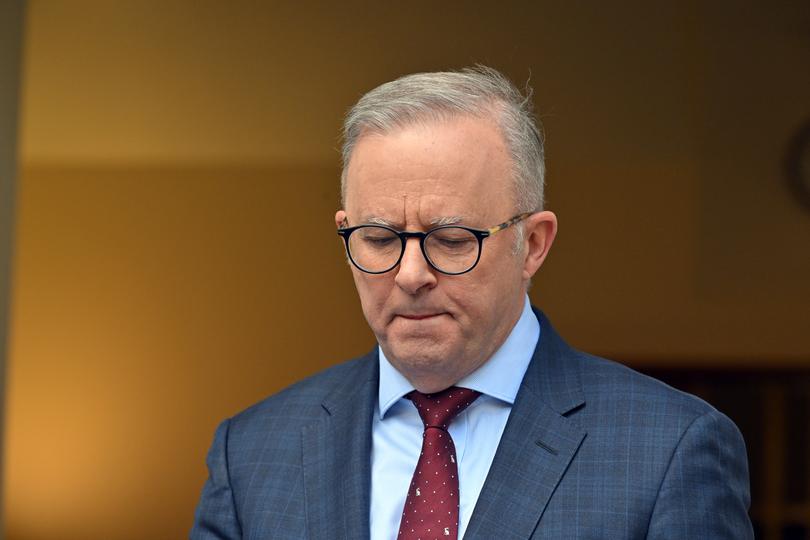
(454, 163)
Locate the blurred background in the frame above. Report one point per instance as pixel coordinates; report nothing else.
(167, 244)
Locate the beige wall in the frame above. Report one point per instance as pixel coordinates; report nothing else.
(177, 156)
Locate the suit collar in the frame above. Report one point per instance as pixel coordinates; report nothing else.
(554, 375)
(366, 369)
(337, 456)
(537, 445)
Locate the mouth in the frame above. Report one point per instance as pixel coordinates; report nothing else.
(419, 316)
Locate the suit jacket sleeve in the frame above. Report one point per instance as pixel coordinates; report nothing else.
(216, 512)
(705, 492)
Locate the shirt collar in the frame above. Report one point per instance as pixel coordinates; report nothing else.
(499, 377)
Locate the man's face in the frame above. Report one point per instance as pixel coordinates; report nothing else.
(437, 328)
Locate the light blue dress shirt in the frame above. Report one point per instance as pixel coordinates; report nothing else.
(397, 429)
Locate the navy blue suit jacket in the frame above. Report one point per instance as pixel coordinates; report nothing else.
(592, 450)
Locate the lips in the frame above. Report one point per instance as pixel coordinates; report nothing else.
(419, 316)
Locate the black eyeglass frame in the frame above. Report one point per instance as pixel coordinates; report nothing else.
(480, 235)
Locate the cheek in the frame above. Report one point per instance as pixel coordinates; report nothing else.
(373, 292)
(496, 285)
(470, 299)
(503, 264)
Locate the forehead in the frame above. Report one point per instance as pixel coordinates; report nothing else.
(427, 170)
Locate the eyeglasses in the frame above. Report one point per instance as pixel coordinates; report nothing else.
(449, 249)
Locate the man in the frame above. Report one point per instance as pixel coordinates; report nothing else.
(472, 418)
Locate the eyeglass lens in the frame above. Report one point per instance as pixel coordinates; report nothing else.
(377, 249)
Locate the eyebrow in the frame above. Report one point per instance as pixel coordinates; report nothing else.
(436, 222)
(378, 221)
(446, 220)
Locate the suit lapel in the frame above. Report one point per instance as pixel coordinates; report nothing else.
(337, 456)
(537, 445)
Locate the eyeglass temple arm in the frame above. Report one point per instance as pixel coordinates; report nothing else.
(509, 223)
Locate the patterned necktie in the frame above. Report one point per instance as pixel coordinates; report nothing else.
(431, 508)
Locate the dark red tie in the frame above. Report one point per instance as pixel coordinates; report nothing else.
(431, 508)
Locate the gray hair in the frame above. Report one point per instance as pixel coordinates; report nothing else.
(478, 91)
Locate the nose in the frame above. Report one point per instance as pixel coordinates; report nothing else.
(414, 273)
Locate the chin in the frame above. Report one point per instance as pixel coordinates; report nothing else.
(419, 355)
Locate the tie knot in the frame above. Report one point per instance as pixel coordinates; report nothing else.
(439, 409)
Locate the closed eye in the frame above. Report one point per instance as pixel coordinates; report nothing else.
(378, 241)
(454, 243)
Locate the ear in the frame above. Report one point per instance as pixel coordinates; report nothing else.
(340, 217)
(540, 231)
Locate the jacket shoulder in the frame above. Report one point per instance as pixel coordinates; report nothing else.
(609, 384)
(302, 401)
